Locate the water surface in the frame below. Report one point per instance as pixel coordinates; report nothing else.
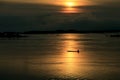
(45, 57)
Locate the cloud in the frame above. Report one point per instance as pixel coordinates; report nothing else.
(23, 17)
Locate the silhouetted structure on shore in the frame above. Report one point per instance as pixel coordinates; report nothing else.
(11, 35)
(115, 35)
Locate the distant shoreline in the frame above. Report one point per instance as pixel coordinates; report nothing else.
(67, 31)
(58, 32)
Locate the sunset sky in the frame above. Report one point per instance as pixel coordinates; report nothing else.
(63, 2)
(24, 15)
(59, 1)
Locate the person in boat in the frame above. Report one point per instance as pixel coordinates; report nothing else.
(74, 51)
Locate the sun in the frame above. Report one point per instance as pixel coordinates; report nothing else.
(70, 4)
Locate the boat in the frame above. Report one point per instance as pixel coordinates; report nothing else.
(73, 51)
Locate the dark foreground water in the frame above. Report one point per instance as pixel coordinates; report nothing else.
(45, 57)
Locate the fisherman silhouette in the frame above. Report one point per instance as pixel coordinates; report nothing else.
(74, 51)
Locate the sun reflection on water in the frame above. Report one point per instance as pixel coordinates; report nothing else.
(71, 44)
(71, 58)
(64, 63)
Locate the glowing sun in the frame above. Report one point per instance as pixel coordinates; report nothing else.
(70, 4)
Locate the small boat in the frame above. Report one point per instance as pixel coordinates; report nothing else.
(73, 51)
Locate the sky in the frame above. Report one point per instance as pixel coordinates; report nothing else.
(52, 1)
(26, 15)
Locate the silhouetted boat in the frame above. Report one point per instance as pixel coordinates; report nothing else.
(73, 51)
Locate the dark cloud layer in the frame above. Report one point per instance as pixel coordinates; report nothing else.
(24, 17)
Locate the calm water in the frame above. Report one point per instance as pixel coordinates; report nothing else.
(45, 57)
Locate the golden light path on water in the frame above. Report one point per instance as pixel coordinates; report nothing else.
(63, 63)
(72, 58)
(70, 66)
